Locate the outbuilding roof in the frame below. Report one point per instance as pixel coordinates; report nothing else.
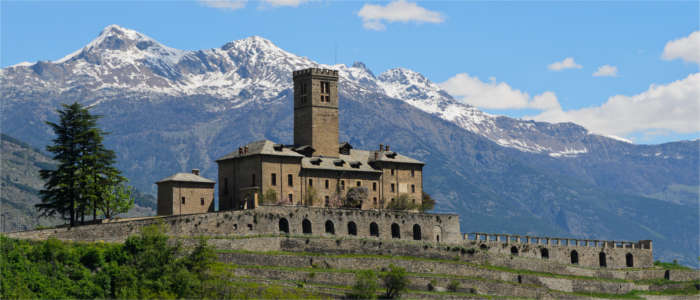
(186, 177)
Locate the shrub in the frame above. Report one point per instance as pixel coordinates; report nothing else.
(269, 197)
(395, 281)
(453, 285)
(355, 196)
(427, 203)
(402, 203)
(365, 285)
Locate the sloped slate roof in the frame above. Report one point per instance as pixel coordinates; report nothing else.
(264, 147)
(186, 177)
(363, 157)
(386, 156)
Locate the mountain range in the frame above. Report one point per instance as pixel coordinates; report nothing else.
(170, 110)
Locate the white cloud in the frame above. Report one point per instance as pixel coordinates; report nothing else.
(292, 3)
(606, 71)
(673, 107)
(496, 95)
(374, 16)
(225, 4)
(567, 63)
(687, 48)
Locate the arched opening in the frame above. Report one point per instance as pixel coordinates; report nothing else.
(667, 275)
(437, 238)
(544, 253)
(514, 251)
(574, 257)
(602, 260)
(630, 260)
(416, 232)
(352, 228)
(483, 247)
(284, 225)
(306, 226)
(373, 229)
(520, 279)
(330, 228)
(395, 231)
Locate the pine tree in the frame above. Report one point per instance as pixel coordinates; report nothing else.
(85, 177)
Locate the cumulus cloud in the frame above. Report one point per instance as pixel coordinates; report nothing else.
(374, 16)
(687, 48)
(567, 63)
(225, 4)
(672, 107)
(496, 95)
(276, 3)
(606, 71)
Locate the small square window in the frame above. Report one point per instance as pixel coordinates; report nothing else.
(392, 187)
(291, 198)
(374, 186)
(327, 184)
(183, 200)
(359, 183)
(342, 184)
(311, 182)
(201, 200)
(413, 188)
(392, 172)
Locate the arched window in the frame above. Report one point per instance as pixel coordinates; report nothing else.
(514, 251)
(373, 229)
(352, 228)
(602, 261)
(329, 227)
(544, 253)
(630, 260)
(574, 257)
(284, 225)
(395, 231)
(667, 275)
(416, 232)
(306, 226)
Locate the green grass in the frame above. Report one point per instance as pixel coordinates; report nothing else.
(671, 266)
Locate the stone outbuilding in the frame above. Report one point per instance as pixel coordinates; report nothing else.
(185, 193)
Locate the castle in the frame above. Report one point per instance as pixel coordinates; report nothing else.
(315, 171)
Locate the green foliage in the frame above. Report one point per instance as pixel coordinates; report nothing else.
(453, 286)
(311, 196)
(269, 197)
(395, 281)
(355, 197)
(85, 175)
(366, 285)
(427, 203)
(673, 265)
(402, 203)
(116, 199)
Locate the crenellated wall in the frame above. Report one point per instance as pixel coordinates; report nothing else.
(586, 252)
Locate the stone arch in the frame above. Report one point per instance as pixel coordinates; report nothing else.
(330, 227)
(514, 251)
(437, 232)
(373, 229)
(416, 232)
(574, 257)
(395, 231)
(284, 225)
(306, 226)
(352, 228)
(602, 260)
(544, 253)
(629, 259)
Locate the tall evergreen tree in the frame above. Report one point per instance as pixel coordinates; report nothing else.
(85, 176)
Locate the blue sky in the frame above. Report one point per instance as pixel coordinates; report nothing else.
(506, 52)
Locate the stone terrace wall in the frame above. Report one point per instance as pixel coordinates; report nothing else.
(589, 253)
(269, 220)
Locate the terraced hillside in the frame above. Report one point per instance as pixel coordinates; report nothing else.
(328, 267)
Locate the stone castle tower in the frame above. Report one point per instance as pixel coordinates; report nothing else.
(316, 110)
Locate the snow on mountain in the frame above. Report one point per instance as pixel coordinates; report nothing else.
(123, 61)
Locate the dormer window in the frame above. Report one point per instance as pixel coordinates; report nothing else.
(325, 91)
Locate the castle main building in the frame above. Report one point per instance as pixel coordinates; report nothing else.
(316, 170)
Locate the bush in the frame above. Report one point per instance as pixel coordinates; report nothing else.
(395, 281)
(269, 197)
(453, 286)
(427, 203)
(355, 197)
(402, 203)
(365, 285)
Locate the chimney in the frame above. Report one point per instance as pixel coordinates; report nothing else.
(387, 148)
(195, 172)
(381, 147)
(376, 155)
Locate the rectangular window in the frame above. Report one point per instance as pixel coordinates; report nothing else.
(375, 201)
(291, 198)
(325, 91)
(302, 91)
(413, 173)
(273, 179)
(327, 184)
(311, 182)
(392, 172)
(374, 186)
(392, 187)
(359, 183)
(290, 180)
(252, 183)
(413, 188)
(342, 184)
(328, 200)
(201, 200)
(183, 200)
